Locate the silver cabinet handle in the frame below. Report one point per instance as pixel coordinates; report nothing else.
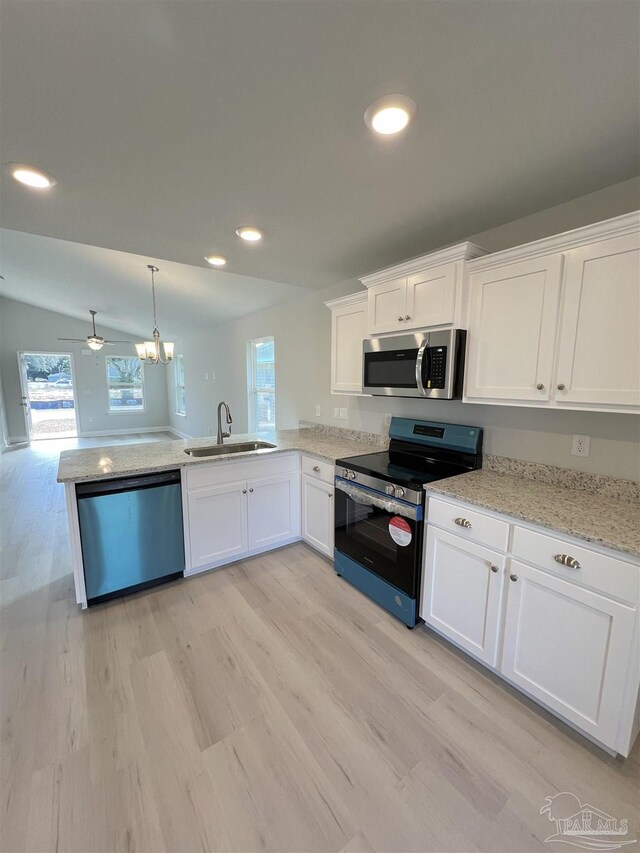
(513, 578)
(407, 317)
(540, 386)
(244, 491)
(462, 522)
(250, 490)
(561, 387)
(316, 467)
(495, 569)
(566, 560)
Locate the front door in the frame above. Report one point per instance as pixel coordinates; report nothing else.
(48, 398)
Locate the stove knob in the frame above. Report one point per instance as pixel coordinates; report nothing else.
(344, 473)
(390, 490)
(352, 475)
(399, 492)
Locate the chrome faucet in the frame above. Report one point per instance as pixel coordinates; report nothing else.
(223, 435)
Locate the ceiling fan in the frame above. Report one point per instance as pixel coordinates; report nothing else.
(95, 342)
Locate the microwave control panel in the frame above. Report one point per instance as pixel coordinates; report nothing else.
(438, 364)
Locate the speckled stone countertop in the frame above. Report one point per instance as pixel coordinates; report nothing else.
(594, 518)
(100, 463)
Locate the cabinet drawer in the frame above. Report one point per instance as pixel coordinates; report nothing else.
(319, 470)
(468, 523)
(597, 571)
(200, 476)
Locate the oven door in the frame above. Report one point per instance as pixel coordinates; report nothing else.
(380, 533)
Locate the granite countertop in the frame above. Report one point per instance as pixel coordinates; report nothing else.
(100, 463)
(605, 521)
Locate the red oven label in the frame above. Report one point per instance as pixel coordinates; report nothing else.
(400, 531)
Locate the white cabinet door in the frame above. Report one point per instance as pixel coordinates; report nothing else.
(274, 510)
(599, 348)
(217, 524)
(512, 330)
(461, 591)
(317, 514)
(431, 297)
(348, 331)
(388, 306)
(569, 648)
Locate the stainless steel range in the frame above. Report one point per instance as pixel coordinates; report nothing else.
(379, 508)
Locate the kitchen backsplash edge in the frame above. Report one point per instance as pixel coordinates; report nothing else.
(596, 484)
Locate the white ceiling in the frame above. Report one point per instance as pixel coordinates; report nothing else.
(168, 124)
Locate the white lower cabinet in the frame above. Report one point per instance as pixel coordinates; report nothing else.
(562, 628)
(217, 524)
(273, 510)
(317, 514)
(461, 592)
(257, 510)
(569, 647)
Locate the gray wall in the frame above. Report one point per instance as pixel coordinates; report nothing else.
(4, 429)
(23, 327)
(302, 334)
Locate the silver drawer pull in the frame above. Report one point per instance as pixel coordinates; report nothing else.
(316, 467)
(566, 560)
(462, 522)
(495, 569)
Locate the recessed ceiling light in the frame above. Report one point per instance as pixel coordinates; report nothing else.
(390, 114)
(216, 260)
(31, 176)
(249, 233)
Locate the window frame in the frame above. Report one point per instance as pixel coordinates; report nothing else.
(123, 410)
(179, 359)
(252, 390)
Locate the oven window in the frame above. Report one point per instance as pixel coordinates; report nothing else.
(395, 369)
(370, 527)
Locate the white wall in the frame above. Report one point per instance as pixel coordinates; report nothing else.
(302, 333)
(23, 327)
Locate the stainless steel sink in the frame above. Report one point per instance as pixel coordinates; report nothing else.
(224, 449)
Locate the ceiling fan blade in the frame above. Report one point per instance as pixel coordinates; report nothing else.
(116, 342)
(75, 340)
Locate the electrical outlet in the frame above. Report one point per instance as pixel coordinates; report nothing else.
(343, 414)
(318, 411)
(580, 445)
(387, 420)
(336, 412)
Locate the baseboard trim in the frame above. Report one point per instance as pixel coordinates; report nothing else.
(178, 432)
(98, 432)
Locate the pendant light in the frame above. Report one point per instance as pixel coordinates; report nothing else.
(149, 351)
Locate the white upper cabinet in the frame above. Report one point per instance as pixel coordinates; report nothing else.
(599, 344)
(512, 330)
(348, 330)
(556, 323)
(420, 293)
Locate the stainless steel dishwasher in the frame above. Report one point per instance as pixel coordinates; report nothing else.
(131, 533)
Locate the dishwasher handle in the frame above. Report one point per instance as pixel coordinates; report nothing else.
(126, 484)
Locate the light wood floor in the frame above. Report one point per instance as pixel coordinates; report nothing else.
(265, 706)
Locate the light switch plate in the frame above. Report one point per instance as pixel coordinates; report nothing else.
(343, 414)
(318, 411)
(336, 412)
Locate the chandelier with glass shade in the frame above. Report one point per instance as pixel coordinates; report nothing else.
(149, 351)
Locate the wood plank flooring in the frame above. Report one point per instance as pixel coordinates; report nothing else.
(265, 706)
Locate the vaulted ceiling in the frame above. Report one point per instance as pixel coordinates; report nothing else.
(169, 124)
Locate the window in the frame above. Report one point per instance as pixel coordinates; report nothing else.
(178, 366)
(125, 384)
(261, 383)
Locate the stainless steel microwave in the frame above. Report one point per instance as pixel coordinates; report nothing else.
(425, 364)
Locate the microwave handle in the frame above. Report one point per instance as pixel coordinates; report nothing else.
(422, 354)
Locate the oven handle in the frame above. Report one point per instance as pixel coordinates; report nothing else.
(366, 498)
(423, 348)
